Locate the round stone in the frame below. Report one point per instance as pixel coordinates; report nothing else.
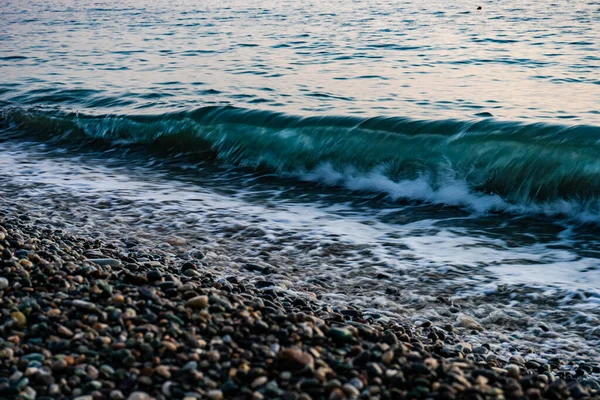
(295, 359)
(198, 302)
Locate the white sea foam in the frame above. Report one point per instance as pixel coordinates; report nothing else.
(451, 192)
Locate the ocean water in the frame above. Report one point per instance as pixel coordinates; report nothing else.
(399, 156)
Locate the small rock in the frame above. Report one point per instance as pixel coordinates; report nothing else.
(513, 370)
(198, 302)
(84, 305)
(106, 261)
(166, 388)
(65, 332)
(53, 313)
(6, 353)
(295, 360)
(170, 345)
(374, 369)
(26, 263)
(465, 321)
(118, 299)
(92, 372)
(116, 395)
(139, 396)
(337, 394)
(260, 381)
(3, 283)
(54, 390)
(215, 395)
(341, 334)
(163, 371)
(350, 391)
(357, 383)
(213, 356)
(387, 357)
(19, 318)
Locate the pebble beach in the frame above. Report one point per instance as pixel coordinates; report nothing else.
(87, 319)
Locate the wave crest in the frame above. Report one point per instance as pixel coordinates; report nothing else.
(485, 164)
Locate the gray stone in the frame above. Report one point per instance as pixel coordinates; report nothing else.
(106, 261)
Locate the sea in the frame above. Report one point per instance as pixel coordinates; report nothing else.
(425, 160)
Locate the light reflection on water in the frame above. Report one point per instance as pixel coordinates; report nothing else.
(436, 59)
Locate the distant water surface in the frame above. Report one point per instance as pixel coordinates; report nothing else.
(516, 60)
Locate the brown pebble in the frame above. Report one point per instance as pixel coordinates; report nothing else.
(14, 339)
(65, 332)
(19, 318)
(213, 356)
(118, 298)
(387, 357)
(198, 302)
(215, 395)
(53, 312)
(163, 371)
(295, 359)
(26, 263)
(170, 345)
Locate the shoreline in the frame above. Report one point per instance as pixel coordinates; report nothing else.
(90, 318)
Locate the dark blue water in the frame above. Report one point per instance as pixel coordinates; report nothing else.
(456, 150)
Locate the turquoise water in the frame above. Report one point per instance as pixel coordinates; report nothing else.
(430, 138)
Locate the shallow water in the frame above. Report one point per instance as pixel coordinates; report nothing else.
(416, 151)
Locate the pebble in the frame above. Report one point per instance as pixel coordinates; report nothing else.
(65, 332)
(170, 345)
(53, 313)
(513, 370)
(295, 359)
(116, 395)
(166, 388)
(341, 334)
(163, 371)
(465, 321)
(351, 391)
(19, 318)
(85, 305)
(118, 299)
(215, 395)
(139, 396)
(260, 381)
(198, 302)
(374, 369)
(6, 353)
(3, 283)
